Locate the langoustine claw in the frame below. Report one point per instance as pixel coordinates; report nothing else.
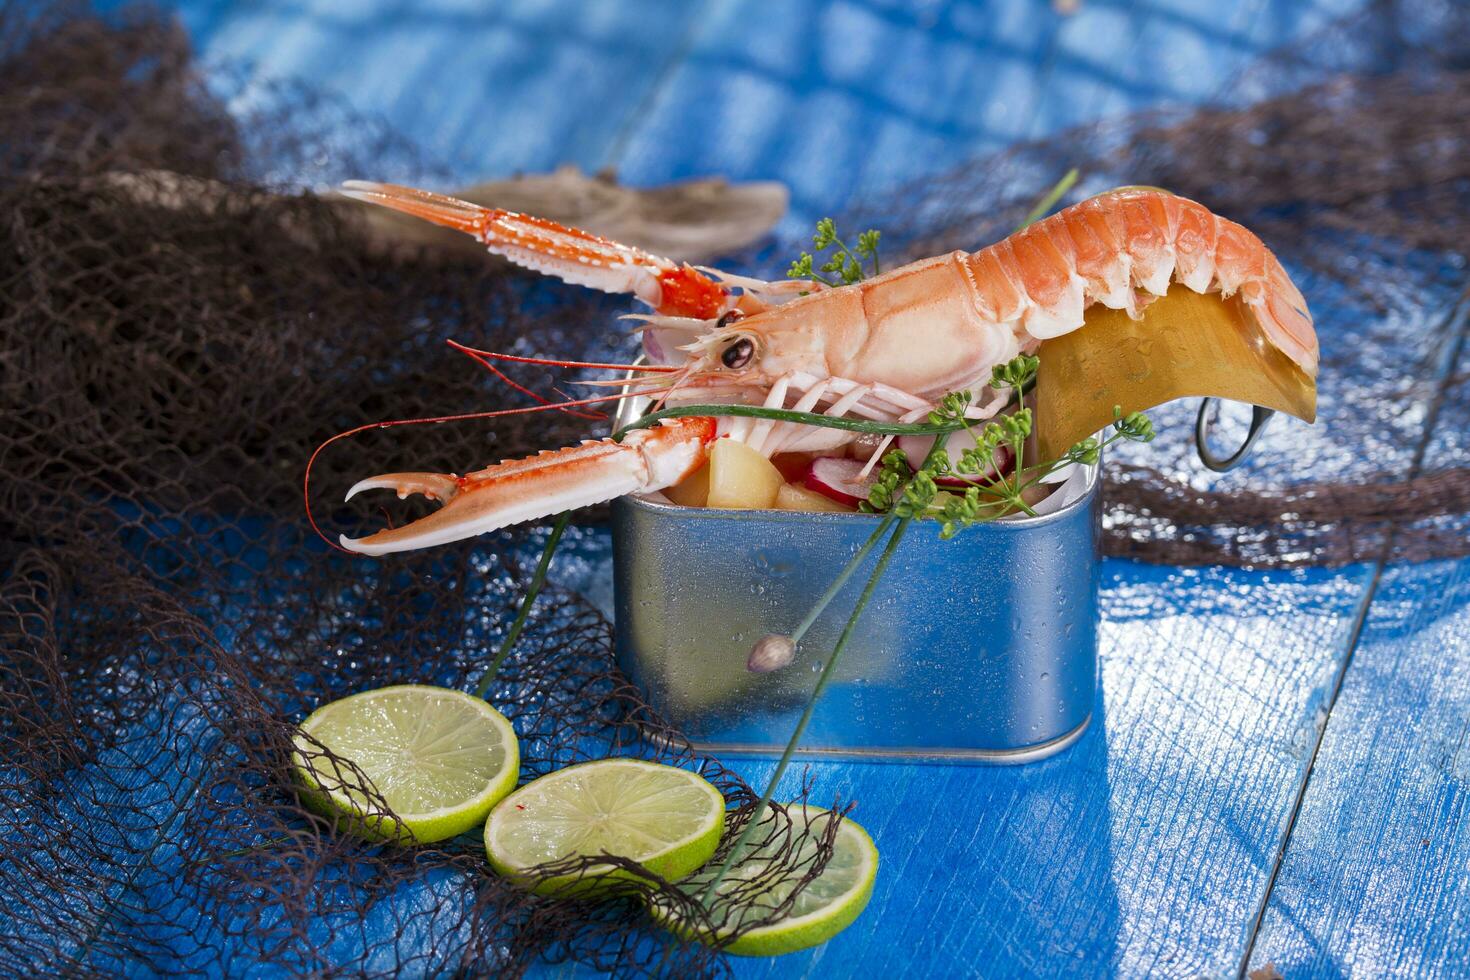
(570, 254)
(539, 486)
(890, 347)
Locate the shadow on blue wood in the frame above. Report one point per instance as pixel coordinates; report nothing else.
(845, 99)
(1139, 851)
(1148, 847)
(1374, 881)
(839, 98)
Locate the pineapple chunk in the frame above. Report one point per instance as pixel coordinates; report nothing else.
(791, 497)
(693, 491)
(741, 478)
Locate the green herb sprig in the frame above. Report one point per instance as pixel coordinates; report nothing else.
(538, 579)
(844, 264)
(988, 492)
(902, 494)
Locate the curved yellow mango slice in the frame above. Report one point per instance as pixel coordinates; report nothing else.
(1186, 345)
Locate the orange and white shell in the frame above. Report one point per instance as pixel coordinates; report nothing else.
(883, 348)
(942, 323)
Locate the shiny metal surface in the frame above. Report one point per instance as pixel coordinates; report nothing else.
(1207, 455)
(982, 648)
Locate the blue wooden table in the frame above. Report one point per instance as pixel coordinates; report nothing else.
(1277, 772)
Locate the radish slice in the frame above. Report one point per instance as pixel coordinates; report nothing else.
(917, 447)
(840, 479)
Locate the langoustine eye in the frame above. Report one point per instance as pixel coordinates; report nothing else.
(738, 354)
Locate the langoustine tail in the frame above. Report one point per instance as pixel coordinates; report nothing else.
(1123, 250)
(1281, 311)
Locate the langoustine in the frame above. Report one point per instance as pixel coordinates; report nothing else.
(886, 348)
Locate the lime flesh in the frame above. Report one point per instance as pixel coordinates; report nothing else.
(669, 820)
(440, 759)
(823, 908)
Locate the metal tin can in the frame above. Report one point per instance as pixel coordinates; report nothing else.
(982, 648)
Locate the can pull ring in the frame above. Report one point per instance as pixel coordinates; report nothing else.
(1220, 464)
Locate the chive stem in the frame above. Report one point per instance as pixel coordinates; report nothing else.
(873, 426)
(806, 715)
(787, 415)
(738, 849)
(1049, 200)
(242, 851)
(532, 591)
(847, 572)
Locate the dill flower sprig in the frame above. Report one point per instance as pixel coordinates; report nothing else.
(845, 264)
(988, 493)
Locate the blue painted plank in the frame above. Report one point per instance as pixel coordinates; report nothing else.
(485, 90)
(1192, 889)
(1372, 881)
(845, 98)
(1164, 846)
(116, 816)
(1146, 848)
(1168, 824)
(1141, 851)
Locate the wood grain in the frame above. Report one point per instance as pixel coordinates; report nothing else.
(843, 99)
(1374, 881)
(1141, 851)
(1147, 848)
(486, 90)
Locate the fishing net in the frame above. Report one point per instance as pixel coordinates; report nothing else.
(180, 327)
(176, 340)
(1347, 155)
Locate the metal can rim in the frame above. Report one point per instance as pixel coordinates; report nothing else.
(1003, 525)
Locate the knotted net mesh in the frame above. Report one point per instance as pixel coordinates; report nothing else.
(179, 328)
(177, 339)
(1345, 153)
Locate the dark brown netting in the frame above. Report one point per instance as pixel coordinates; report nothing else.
(175, 338)
(180, 327)
(1349, 154)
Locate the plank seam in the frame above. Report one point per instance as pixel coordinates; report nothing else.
(620, 142)
(1457, 323)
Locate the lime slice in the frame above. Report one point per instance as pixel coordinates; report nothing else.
(824, 907)
(668, 820)
(439, 758)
